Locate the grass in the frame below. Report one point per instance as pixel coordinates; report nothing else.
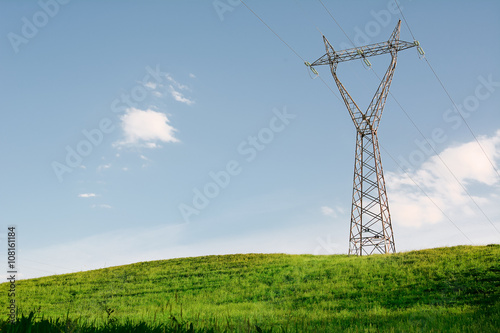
(453, 289)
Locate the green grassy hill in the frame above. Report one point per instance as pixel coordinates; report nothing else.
(441, 290)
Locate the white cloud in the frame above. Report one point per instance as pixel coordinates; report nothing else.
(179, 97)
(86, 195)
(145, 127)
(411, 207)
(191, 75)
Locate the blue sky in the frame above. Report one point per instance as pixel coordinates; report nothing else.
(157, 99)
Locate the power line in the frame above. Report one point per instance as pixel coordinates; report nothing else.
(404, 19)
(428, 197)
(470, 129)
(452, 100)
(461, 116)
(411, 120)
(281, 39)
(441, 159)
(307, 16)
(329, 88)
(333, 18)
(418, 129)
(52, 265)
(291, 48)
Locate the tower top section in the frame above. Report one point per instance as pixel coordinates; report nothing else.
(393, 45)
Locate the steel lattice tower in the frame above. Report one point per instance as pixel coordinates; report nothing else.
(371, 228)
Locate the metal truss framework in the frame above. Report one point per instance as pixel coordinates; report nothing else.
(371, 228)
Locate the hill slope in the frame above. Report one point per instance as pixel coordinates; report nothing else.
(446, 289)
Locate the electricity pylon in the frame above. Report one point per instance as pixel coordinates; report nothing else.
(371, 228)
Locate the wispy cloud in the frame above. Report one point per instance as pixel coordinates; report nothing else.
(191, 75)
(175, 83)
(172, 87)
(86, 195)
(179, 97)
(332, 212)
(103, 167)
(328, 211)
(145, 128)
(146, 160)
(151, 85)
(151, 145)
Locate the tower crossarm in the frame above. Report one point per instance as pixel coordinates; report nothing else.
(365, 122)
(363, 52)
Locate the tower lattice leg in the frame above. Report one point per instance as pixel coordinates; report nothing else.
(371, 229)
